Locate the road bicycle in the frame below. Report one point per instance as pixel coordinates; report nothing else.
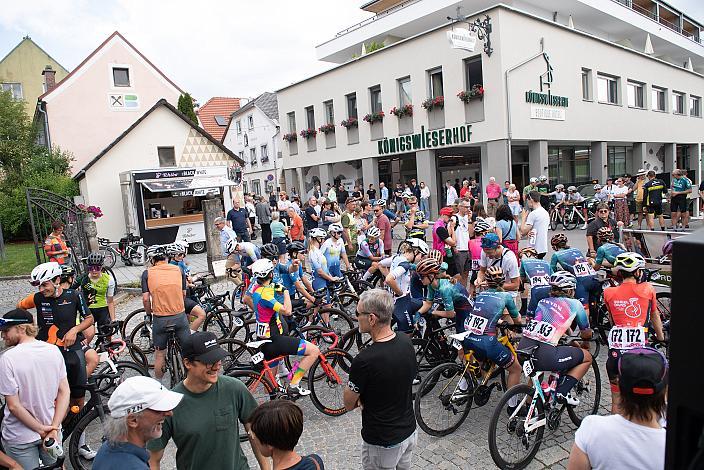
(129, 249)
(557, 216)
(574, 216)
(109, 351)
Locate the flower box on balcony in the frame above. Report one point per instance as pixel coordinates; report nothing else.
(308, 133)
(477, 92)
(405, 110)
(290, 137)
(349, 123)
(327, 128)
(374, 117)
(432, 103)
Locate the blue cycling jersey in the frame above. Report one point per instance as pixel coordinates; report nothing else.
(608, 252)
(489, 305)
(289, 279)
(536, 271)
(452, 297)
(332, 249)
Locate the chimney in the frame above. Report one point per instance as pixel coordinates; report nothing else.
(49, 77)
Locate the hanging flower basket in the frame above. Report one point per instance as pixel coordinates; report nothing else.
(290, 137)
(437, 102)
(405, 110)
(374, 117)
(308, 133)
(350, 122)
(327, 128)
(477, 92)
(93, 210)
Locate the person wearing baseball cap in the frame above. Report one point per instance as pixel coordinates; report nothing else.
(204, 427)
(138, 408)
(607, 441)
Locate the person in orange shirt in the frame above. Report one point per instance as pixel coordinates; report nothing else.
(296, 229)
(632, 309)
(55, 247)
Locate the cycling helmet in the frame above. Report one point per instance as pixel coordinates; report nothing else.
(270, 251)
(418, 244)
(559, 240)
(335, 228)
(95, 259)
(528, 251)
(563, 280)
(543, 178)
(446, 211)
(318, 233)
(490, 241)
(45, 272)
(572, 189)
(534, 180)
(231, 246)
(261, 268)
(67, 271)
(428, 266)
(156, 251)
(667, 248)
(629, 262)
(436, 255)
(494, 276)
(597, 187)
(295, 246)
(481, 226)
(373, 232)
(605, 234)
(172, 250)
(560, 186)
(380, 202)
(183, 245)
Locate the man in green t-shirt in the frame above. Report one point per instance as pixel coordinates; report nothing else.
(204, 425)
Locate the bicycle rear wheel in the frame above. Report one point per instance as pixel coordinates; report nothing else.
(138, 254)
(664, 305)
(570, 220)
(141, 337)
(130, 321)
(125, 369)
(219, 322)
(553, 221)
(327, 380)
(92, 427)
(441, 404)
(588, 392)
(239, 355)
(109, 255)
(174, 363)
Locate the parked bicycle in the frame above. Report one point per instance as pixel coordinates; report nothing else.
(129, 249)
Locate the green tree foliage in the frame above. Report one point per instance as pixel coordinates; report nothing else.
(25, 164)
(185, 105)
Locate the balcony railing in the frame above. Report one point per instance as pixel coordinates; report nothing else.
(372, 19)
(694, 37)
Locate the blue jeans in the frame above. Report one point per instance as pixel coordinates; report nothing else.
(28, 455)
(425, 207)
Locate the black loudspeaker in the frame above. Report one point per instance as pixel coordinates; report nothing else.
(685, 411)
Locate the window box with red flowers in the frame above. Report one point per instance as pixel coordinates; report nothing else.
(290, 137)
(477, 92)
(91, 210)
(308, 133)
(349, 123)
(327, 128)
(374, 117)
(405, 110)
(432, 103)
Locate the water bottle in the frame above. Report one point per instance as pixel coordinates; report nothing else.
(53, 448)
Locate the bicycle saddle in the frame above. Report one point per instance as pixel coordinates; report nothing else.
(258, 344)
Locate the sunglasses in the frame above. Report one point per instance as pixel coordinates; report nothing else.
(603, 211)
(95, 268)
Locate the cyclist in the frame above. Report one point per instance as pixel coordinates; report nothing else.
(575, 199)
(608, 250)
(553, 317)
(334, 249)
(371, 251)
(495, 254)
(319, 264)
(481, 228)
(103, 308)
(247, 252)
(398, 281)
(573, 261)
(194, 312)
(632, 307)
(454, 297)
(654, 189)
(537, 272)
(269, 327)
(291, 271)
(560, 196)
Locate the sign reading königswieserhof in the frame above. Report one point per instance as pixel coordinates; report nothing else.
(544, 104)
(461, 38)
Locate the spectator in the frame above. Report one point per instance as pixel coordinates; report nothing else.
(380, 381)
(424, 198)
(465, 190)
(653, 189)
(535, 224)
(282, 205)
(332, 194)
(371, 193)
(478, 212)
(294, 193)
(138, 407)
(341, 194)
(507, 184)
(398, 198)
(264, 215)
(251, 212)
(507, 229)
(279, 232)
(272, 201)
(357, 192)
(36, 390)
(55, 247)
(474, 188)
(384, 192)
(458, 186)
(451, 194)
(602, 219)
(349, 224)
(463, 259)
(607, 441)
(296, 226)
(493, 193)
(384, 225)
(204, 428)
(315, 192)
(415, 189)
(226, 233)
(312, 217)
(327, 215)
(239, 221)
(620, 195)
(296, 204)
(639, 194)
(681, 187)
(609, 188)
(514, 201)
(276, 428)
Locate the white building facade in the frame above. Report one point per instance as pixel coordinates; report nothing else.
(548, 99)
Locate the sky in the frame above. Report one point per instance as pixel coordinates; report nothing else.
(237, 48)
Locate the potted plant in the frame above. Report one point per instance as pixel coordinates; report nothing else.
(374, 117)
(477, 91)
(92, 210)
(327, 128)
(308, 133)
(290, 137)
(405, 110)
(349, 122)
(437, 102)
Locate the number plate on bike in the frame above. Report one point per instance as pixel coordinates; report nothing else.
(539, 331)
(527, 368)
(583, 269)
(476, 324)
(237, 321)
(257, 358)
(540, 280)
(621, 337)
(475, 265)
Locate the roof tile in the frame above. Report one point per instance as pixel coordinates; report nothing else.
(217, 106)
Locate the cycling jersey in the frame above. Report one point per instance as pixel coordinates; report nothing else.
(319, 262)
(608, 252)
(288, 278)
(601, 196)
(553, 317)
(453, 297)
(266, 309)
(417, 289)
(488, 309)
(681, 184)
(185, 269)
(401, 270)
(475, 249)
(250, 250)
(653, 192)
(631, 304)
(559, 196)
(573, 261)
(104, 287)
(574, 198)
(367, 251)
(332, 249)
(537, 293)
(418, 219)
(57, 315)
(536, 271)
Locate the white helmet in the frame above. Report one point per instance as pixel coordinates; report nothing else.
(231, 246)
(572, 189)
(335, 228)
(418, 244)
(172, 249)
(317, 233)
(563, 280)
(597, 187)
(156, 250)
(543, 178)
(559, 186)
(183, 244)
(380, 202)
(262, 267)
(481, 226)
(534, 180)
(373, 232)
(45, 272)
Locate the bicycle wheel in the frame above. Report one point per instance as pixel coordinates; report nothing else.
(219, 322)
(174, 364)
(261, 389)
(244, 332)
(347, 302)
(443, 399)
(138, 254)
(588, 392)
(361, 285)
(130, 321)
(138, 356)
(509, 443)
(327, 380)
(91, 426)
(109, 255)
(570, 220)
(239, 355)
(340, 322)
(664, 305)
(112, 275)
(125, 369)
(141, 337)
(553, 220)
(236, 299)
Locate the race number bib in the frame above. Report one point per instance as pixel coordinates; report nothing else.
(475, 324)
(624, 337)
(475, 265)
(540, 280)
(263, 330)
(583, 269)
(539, 331)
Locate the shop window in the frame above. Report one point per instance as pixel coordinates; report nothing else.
(658, 98)
(121, 76)
(587, 85)
(616, 161)
(329, 112)
(167, 156)
(351, 105)
(375, 98)
(473, 72)
(677, 102)
(292, 122)
(15, 89)
(607, 89)
(310, 117)
(635, 94)
(435, 80)
(404, 91)
(682, 156)
(568, 165)
(695, 106)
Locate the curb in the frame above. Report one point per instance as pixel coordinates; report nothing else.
(14, 278)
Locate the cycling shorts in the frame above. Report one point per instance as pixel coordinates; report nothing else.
(101, 315)
(318, 284)
(160, 323)
(612, 358)
(297, 303)
(587, 287)
(362, 263)
(405, 309)
(488, 347)
(283, 346)
(335, 270)
(553, 358)
(679, 203)
(75, 360)
(655, 209)
(188, 305)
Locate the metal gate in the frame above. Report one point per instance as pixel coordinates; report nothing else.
(44, 208)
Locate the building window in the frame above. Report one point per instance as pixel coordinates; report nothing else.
(677, 102)
(244, 187)
(435, 79)
(375, 98)
(220, 121)
(616, 161)
(242, 158)
(264, 151)
(256, 187)
(695, 106)
(657, 95)
(607, 89)
(351, 105)
(635, 94)
(473, 72)
(568, 165)
(246, 140)
(682, 156)
(292, 122)
(167, 156)
(253, 156)
(120, 76)
(404, 91)
(310, 117)
(238, 125)
(329, 112)
(587, 84)
(15, 89)
(250, 122)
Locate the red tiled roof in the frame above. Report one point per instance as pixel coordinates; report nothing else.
(217, 106)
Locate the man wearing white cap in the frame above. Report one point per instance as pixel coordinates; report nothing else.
(138, 407)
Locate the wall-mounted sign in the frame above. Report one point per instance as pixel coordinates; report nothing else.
(547, 98)
(552, 105)
(547, 113)
(461, 38)
(123, 101)
(425, 140)
(270, 177)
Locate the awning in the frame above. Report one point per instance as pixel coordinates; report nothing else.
(183, 184)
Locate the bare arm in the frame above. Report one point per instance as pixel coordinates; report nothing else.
(155, 459)
(62, 400)
(578, 459)
(261, 460)
(147, 303)
(21, 413)
(351, 399)
(393, 285)
(111, 307)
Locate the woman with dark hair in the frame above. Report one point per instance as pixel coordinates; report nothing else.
(327, 215)
(478, 211)
(507, 229)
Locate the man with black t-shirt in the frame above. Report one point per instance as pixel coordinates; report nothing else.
(603, 219)
(652, 200)
(381, 378)
(312, 216)
(543, 189)
(371, 193)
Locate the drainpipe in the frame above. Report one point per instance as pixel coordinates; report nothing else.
(46, 125)
(275, 156)
(508, 103)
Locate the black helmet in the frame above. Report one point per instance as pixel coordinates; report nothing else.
(95, 259)
(270, 251)
(295, 246)
(67, 271)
